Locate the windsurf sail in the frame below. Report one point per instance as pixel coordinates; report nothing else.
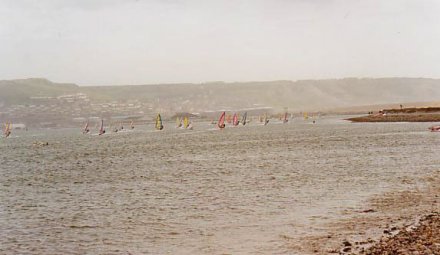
(114, 127)
(235, 120)
(131, 125)
(7, 129)
(185, 122)
(101, 129)
(159, 125)
(229, 118)
(244, 119)
(306, 115)
(266, 119)
(285, 120)
(221, 120)
(178, 122)
(86, 129)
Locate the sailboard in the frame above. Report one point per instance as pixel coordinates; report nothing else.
(101, 129)
(266, 119)
(86, 129)
(244, 119)
(159, 125)
(285, 119)
(235, 120)
(7, 129)
(221, 121)
(185, 122)
(229, 118)
(178, 122)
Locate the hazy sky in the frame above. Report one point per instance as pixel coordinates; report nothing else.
(139, 41)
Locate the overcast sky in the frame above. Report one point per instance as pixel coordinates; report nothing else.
(94, 42)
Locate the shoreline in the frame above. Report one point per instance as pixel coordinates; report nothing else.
(413, 114)
(397, 118)
(410, 222)
(380, 225)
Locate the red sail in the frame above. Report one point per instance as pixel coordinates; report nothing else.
(235, 120)
(221, 121)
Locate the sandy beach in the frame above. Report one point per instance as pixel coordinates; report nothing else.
(299, 188)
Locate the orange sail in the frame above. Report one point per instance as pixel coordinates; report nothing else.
(228, 118)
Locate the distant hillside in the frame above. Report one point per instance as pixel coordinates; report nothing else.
(297, 96)
(20, 91)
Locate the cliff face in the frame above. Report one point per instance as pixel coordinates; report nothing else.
(297, 96)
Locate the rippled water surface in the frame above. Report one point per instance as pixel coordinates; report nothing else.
(205, 191)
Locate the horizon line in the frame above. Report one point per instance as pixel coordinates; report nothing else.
(218, 81)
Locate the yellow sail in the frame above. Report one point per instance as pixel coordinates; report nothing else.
(159, 125)
(306, 115)
(7, 129)
(185, 122)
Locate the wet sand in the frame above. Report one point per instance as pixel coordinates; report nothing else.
(299, 188)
